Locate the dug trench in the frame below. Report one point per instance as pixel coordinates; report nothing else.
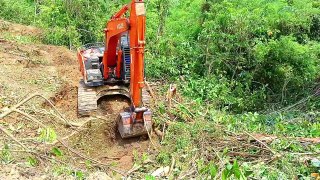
(102, 141)
(53, 72)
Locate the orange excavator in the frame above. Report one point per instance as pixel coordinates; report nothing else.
(116, 67)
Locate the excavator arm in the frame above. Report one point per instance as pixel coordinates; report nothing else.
(135, 26)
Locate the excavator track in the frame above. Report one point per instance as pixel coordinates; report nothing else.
(87, 100)
(88, 97)
(88, 105)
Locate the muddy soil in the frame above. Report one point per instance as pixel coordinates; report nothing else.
(53, 72)
(102, 141)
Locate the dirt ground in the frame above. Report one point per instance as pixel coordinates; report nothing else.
(52, 71)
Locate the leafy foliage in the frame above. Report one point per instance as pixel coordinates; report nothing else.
(47, 135)
(257, 59)
(32, 161)
(6, 156)
(18, 11)
(238, 55)
(57, 152)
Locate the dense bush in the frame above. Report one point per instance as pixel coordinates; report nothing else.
(263, 48)
(260, 51)
(238, 55)
(74, 23)
(18, 11)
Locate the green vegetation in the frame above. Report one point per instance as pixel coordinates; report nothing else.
(249, 65)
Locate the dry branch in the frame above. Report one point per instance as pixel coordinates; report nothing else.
(149, 135)
(172, 91)
(158, 133)
(15, 109)
(30, 117)
(90, 159)
(13, 138)
(76, 131)
(262, 143)
(173, 163)
(150, 90)
(133, 169)
(269, 138)
(245, 155)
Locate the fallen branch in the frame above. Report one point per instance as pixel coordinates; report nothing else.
(306, 154)
(150, 90)
(269, 138)
(90, 159)
(15, 109)
(275, 158)
(13, 138)
(190, 172)
(245, 155)
(158, 133)
(113, 158)
(309, 140)
(149, 135)
(262, 143)
(173, 163)
(30, 117)
(163, 129)
(133, 169)
(74, 132)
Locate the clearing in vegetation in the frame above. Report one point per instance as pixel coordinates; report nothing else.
(235, 87)
(78, 148)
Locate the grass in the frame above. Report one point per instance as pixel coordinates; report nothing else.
(20, 38)
(211, 141)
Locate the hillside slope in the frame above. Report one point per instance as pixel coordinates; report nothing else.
(194, 139)
(29, 67)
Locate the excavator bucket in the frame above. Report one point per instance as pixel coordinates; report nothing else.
(129, 127)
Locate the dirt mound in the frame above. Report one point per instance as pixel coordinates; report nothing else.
(19, 30)
(63, 94)
(113, 105)
(61, 55)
